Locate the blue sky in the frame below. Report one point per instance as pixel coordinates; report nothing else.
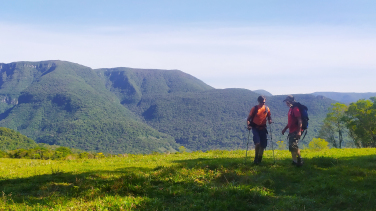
(281, 46)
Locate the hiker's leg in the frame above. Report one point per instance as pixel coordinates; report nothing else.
(261, 151)
(298, 153)
(257, 149)
(263, 143)
(294, 156)
(299, 159)
(256, 141)
(293, 147)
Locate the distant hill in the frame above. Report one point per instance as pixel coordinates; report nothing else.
(130, 84)
(67, 104)
(263, 92)
(128, 110)
(11, 140)
(346, 97)
(200, 117)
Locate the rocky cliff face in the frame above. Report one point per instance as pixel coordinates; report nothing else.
(8, 100)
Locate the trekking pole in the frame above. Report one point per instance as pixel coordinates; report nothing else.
(271, 139)
(249, 132)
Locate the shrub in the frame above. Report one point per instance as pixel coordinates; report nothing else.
(318, 144)
(281, 145)
(83, 155)
(182, 149)
(3, 154)
(62, 152)
(99, 155)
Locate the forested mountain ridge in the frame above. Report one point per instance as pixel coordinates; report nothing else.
(130, 110)
(67, 104)
(346, 97)
(196, 115)
(10, 140)
(216, 119)
(263, 92)
(131, 84)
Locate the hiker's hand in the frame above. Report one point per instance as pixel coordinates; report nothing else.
(298, 135)
(283, 131)
(249, 127)
(270, 121)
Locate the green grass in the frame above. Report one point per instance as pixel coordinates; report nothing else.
(335, 179)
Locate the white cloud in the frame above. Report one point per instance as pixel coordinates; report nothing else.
(278, 59)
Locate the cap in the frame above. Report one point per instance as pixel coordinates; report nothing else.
(289, 98)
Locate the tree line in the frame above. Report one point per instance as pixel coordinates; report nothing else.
(357, 121)
(59, 153)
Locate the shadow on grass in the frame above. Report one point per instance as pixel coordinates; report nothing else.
(213, 184)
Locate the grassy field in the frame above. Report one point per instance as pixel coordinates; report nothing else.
(335, 179)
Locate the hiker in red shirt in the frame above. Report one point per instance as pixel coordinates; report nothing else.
(294, 124)
(256, 122)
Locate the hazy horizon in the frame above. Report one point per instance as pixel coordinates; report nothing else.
(281, 47)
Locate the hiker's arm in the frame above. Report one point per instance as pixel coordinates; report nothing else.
(269, 117)
(299, 127)
(249, 125)
(248, 122)
(284, 129)
(296, 113)
(249, 119)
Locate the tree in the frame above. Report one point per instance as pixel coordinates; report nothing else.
(327, 132)
(361, 121)
(334, 122)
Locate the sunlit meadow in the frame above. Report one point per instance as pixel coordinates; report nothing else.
(332, 179)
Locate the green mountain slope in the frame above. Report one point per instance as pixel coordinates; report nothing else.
(263, 92)
(130, 85)
(196, 115)
(129, 110)
(11, 140)
(67, 104)
(216, 119)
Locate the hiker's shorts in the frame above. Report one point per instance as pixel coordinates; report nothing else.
(293, 142)
(259, 136)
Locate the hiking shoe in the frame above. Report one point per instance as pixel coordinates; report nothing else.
(256, 162)
(294, 163)
(300, 162)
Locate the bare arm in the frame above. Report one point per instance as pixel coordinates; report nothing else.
(284, 129)
(299, 128)
(249, 119)
(269, 118)
(248, 125)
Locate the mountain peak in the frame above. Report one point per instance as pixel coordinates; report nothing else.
(263, 92)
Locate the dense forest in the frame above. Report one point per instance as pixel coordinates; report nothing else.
(126, 110)
(67, 104)
(198, 116)
(11, 140)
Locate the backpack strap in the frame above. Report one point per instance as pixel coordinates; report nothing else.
(305, 133)
(266, 110)
(250, 119)
(255, 110)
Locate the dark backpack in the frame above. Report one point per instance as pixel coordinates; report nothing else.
(304, 115)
